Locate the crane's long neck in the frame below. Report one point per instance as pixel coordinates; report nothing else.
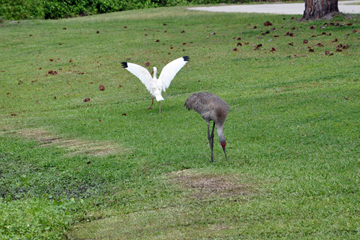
(222, 139)
(220, 132)
(154, 72)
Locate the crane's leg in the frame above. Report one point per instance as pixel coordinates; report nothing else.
(211, 140)
(151, 104)
(159, 106)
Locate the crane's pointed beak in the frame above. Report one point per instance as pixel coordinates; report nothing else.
(225, 153)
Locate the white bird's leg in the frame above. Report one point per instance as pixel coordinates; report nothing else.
(159, 106)
(151, 104)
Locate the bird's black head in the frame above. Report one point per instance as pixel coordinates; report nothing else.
(186, 58)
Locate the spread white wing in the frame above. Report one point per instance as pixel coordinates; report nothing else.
(140, 72)
(171, 69)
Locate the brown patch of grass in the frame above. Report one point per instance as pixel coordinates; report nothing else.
(210, 185)
(75, 146)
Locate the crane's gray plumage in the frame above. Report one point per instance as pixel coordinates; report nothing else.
(211, 108)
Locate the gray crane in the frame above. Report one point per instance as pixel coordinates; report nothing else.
(210, 107)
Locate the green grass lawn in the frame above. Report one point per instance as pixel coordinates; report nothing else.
(109, 169)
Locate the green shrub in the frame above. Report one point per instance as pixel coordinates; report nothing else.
(54, 9)
(21, 9)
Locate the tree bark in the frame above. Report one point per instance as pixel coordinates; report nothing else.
(315, 9)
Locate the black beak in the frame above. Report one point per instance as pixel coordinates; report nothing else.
(225, 153)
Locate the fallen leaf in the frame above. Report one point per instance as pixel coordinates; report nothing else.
(239, 44)
(346, 46)
(312, 26)
(52, 72)
(183, 31)
(147, 64)
(276, 35)
(234, 49)
(339, 46)
(86, 100)
(311, 50)
(97, 31)
(305, 41)
(124, 114)
(239, 38)
(101, 87)
(320, 45)
(267, 23)
(272, 49)
(157, 40)
(291, 44)
(257, 46)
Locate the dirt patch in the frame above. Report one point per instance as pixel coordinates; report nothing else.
(74, 146)
(210, 185)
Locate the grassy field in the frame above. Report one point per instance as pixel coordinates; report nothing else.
(109, 169)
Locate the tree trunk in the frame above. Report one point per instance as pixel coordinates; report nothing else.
(315, 9)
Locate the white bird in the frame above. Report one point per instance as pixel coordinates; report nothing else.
(156, 85)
